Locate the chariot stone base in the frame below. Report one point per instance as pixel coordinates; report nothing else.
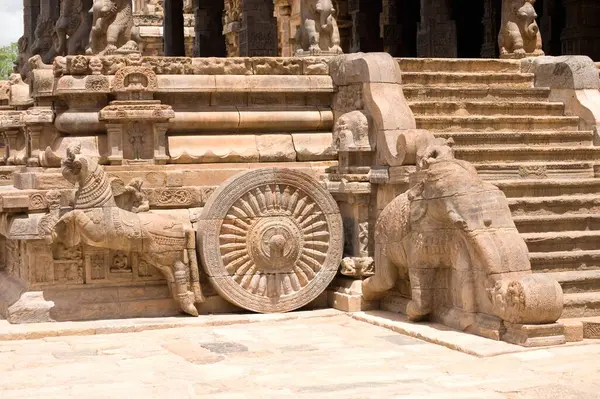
(19, 305)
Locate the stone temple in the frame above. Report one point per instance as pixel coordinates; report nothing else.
(196, 157)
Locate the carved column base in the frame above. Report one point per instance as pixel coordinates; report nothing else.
(345, 294)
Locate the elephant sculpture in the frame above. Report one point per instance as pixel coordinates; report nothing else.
(318, 31)
(112, 28)
(451, 235)
(519, 34)
(98, 221)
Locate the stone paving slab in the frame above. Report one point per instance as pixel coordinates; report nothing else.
(12, 332)
(314, 357)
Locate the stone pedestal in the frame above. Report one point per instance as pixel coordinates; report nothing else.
(436, 35)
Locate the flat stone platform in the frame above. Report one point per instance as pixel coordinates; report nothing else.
(319, 354)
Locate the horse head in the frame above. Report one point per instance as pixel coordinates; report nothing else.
(93, 184)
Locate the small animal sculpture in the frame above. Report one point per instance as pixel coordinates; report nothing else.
(319, 30)
(519, 33)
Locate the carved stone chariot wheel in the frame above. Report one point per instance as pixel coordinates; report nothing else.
(270, 240)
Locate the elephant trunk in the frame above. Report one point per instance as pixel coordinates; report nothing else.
(513, 293)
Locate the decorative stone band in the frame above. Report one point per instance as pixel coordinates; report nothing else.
(79, 65)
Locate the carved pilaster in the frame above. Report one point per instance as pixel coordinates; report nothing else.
(283, 12)
(232, 21)
(160, 143)
(489, 48)
(114, 132)
(258, 30)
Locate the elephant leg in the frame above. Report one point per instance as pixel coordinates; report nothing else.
(386, 274)
(335, 37)
(112, 37)
(421, 283)
(310, 27)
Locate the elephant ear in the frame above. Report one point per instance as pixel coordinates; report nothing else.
(418, 209)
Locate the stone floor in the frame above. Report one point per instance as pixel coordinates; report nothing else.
(328, 356)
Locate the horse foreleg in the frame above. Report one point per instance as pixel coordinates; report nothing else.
(192, 261)
(184, 297)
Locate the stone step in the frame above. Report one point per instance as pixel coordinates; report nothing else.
(481, 79)
(559, 261)
(548, 223)
(526, 170)
(466, 93)
(563, 138)
(562, 241)
(578, 281)
(547, 187)
(458, 65)
(582, 304)
(556, 205)
(465, 108)
(497, 123)
(482, 154)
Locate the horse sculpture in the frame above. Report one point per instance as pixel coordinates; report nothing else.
(97, 221)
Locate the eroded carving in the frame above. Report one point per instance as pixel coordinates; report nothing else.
(97, 221)
(318, 32)
(519, 33)
(113, 30)
(72, 28)
(453, 236)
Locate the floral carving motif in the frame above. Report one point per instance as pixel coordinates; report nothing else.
(173, 197)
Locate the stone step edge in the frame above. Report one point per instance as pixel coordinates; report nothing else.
(14, 332)
(580, 328)
(488, 103)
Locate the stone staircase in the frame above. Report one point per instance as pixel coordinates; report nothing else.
(526, 145)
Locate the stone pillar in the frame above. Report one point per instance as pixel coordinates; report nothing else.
(581, 34)
(258, 30)
(173, 32)
(366, 35)
(283, 12)
(491, 14)
(209, 40)
(31, 11)
(436, 36)
(50, 9)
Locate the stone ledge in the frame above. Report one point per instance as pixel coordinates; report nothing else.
(13, 332)
(445, 336)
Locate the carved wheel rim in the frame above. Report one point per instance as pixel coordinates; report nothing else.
(271, 240)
